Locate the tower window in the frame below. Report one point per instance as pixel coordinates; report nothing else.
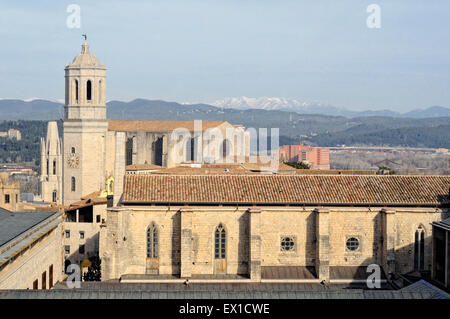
(73, 184)
(54, 197)
(54, 167)
(100, 87)
(73, 150)
(76, 91)
(89, 90)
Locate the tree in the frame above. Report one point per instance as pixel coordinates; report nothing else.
(384, 170)
(298, 165)
(94, 271)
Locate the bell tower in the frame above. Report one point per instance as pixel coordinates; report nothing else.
(84, 126)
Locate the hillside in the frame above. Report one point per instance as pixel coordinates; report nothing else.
(321, 130)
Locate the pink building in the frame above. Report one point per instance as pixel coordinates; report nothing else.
(316, 157)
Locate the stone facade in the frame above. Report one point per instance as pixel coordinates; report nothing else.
(51, 165)
(81, 236)
(34, 256)
(186, 238)
(84, 126)
(9, 193)
(91, 143)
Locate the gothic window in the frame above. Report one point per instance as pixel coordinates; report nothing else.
(419, 248)
(89, 90)
(54, 197)
(152, 241)
(54, 167)
(73, 184)
(220, 242)
(190, 150)
(76, 91)
(73, 150)
(226, 148)
(129, 152)
(352, 244)
(48, 168)
(287, 244)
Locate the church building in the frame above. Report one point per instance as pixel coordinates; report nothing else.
(156, 202)
(94, 151)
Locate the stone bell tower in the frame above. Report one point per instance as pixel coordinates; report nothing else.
(84, 126)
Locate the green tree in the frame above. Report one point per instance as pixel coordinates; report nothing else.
(298, 165)
(94, 271)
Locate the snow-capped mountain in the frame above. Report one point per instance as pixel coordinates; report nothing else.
(278, 103)
(265, 103)
(303, 107)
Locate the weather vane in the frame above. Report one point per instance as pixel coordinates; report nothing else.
(85, 37)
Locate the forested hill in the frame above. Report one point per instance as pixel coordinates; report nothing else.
(27, 149)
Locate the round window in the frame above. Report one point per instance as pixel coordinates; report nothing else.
(287, 243)
(352, 244)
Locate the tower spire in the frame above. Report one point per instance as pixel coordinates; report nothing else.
(85, 48)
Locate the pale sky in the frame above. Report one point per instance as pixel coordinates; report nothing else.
(201, 51)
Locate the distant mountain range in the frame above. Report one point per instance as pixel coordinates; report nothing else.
(423, 128)
(293, 105)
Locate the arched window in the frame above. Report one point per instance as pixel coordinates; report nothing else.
(73, 184)
(76, 91)
(419, 248)
(73, 150)
(54, 167)
(190, 151)
(48, 169)
(225, 148)
(152, 241)
(54, 197)
(89, 90)
(129, 152)
(220, 242)
(100, 87)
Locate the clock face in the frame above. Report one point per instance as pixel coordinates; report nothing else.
(73, 161)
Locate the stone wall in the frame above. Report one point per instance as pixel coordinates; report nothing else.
(320, 236)
(34, 261)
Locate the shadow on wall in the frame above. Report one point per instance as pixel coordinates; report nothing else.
(243, 246)
(176, 243)
(77, 257)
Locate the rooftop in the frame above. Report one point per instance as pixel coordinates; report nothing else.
(287, 189)
(143, 167)
(14, 224)
(85, 59)
(116, 290)
(158, 126)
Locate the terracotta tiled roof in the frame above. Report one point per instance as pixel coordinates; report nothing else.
(284, 189)
(157, 126)
(143, 167)
(88, 200)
